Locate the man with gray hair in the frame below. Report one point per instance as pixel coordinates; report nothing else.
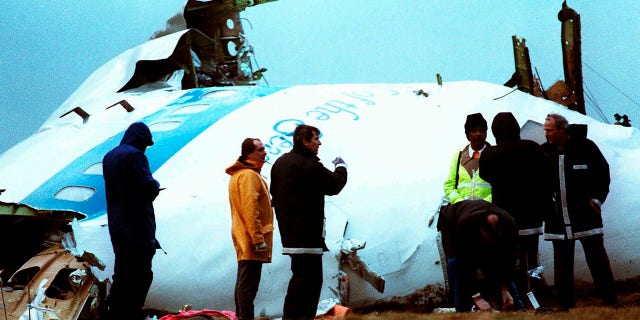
(582, 186)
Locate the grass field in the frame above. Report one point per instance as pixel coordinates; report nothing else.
(580, 313)
(588, 307)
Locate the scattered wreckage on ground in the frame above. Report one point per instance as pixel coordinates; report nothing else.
(56, 281)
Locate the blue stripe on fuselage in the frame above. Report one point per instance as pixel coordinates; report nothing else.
(167, 144)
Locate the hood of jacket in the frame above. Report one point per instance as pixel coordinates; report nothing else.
(137, 135)
(577, 131)
(505, 127)
(239, 165)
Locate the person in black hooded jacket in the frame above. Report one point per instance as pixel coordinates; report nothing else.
(521, 179)
(130, 191)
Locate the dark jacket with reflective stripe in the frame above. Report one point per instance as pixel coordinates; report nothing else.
(299, 183)
(520, 174)
(583, 175)
(130, 191)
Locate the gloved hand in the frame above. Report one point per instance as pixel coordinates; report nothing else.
(338, 160)
(261, 247)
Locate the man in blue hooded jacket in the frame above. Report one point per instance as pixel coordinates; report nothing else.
(130, 191)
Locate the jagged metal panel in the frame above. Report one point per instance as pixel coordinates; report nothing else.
(524, 74)
(49, 285)
(14, 209)
(572, 54)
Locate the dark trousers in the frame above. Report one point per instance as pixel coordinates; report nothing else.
(132, 278)
(247, 282)
(528, 259)
(598, 262)
(303, 293)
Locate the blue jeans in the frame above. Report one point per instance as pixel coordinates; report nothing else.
(518, 303)
(461, 277)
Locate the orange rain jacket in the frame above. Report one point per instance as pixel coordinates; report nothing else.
(251, 212)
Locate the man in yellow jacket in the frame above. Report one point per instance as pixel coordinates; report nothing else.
(251, 223)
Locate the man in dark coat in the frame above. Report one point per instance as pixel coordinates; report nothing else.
(521, 178)
(582, 186)
(299, 183)
(130, 191)
(477, 234)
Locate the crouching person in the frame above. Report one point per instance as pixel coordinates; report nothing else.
(478, 235)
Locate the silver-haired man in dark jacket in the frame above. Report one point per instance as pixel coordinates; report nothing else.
(582, 187)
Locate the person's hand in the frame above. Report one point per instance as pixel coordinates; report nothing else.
(507, 300)
(261, 247)
(338, 160)
(595, 206)
(482, 304)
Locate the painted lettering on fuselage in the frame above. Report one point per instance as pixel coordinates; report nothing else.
(350, 105)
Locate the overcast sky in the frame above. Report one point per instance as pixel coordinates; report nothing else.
(50, 47)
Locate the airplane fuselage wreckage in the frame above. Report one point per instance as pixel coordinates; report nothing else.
(197, 91)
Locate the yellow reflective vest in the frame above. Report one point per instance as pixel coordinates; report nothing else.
(469, 184)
